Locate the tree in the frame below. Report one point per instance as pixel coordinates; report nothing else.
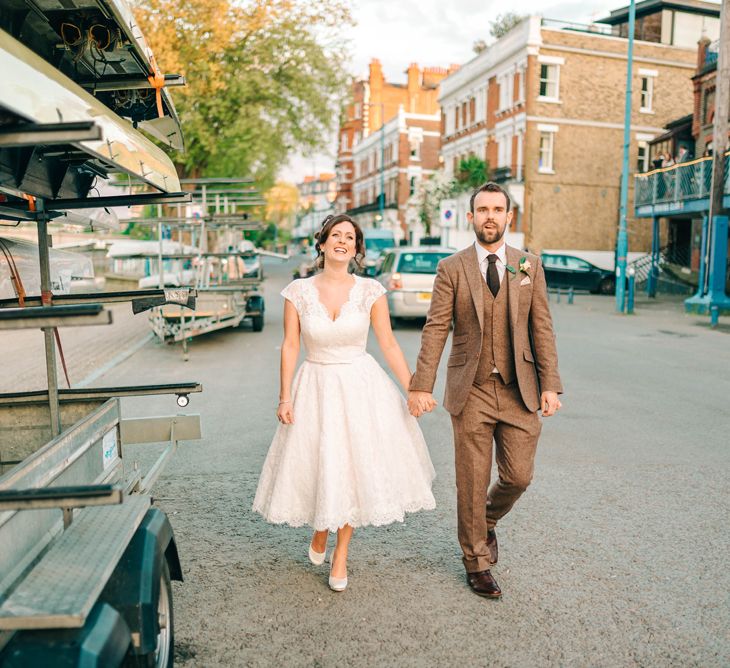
(426, 200)
(281, 203)
(504, 23)
(471, 173)
(478, 46)
(264, 78)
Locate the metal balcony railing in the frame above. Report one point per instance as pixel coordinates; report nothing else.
(678, 183)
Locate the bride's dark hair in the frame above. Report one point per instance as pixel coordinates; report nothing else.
(327, 225)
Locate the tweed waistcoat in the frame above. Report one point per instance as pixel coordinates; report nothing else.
(497, 341)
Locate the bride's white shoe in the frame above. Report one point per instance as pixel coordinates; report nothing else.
(317, 558)
(336, 584)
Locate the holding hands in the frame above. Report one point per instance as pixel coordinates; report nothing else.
(420, 403)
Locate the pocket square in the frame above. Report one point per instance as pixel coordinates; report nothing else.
(525, 281)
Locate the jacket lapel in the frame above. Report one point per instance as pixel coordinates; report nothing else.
(513, 259)
(475, 281)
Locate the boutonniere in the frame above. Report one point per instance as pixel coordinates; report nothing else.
(524, 265)
(511, 269)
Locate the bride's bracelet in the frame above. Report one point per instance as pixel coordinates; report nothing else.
(288, 401)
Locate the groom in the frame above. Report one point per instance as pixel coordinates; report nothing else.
(502, 369)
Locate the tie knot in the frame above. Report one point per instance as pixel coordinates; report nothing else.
(492, 258)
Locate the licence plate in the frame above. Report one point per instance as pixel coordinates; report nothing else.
(424, 297)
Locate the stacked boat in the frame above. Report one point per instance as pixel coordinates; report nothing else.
(80, 90)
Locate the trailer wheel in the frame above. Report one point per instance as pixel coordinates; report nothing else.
(258, 323)
(163, 656)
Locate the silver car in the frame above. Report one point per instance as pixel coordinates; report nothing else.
(408, 273)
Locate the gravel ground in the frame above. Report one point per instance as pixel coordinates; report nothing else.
(617, 555)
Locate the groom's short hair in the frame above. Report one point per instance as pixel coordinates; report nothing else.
(490, 187)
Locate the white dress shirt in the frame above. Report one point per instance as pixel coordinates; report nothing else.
(501, 254)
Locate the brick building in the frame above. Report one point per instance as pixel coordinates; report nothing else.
(375, 101)
(544, 106)
(678, 198)
(410, 145)
(316, 201)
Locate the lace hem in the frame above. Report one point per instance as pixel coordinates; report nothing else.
(353, 518)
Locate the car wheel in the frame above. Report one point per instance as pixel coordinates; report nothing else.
(607, 286)
(258, 323)
(394, 322)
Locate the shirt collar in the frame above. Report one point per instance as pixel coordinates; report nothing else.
(482, 253)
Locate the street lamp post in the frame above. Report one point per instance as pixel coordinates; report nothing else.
(622, 241)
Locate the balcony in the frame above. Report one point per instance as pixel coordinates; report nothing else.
(682, 188)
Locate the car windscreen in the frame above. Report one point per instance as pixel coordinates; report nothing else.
(419, 263)
(378, 244)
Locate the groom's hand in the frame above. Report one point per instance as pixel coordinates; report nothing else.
(420, 403)
(550, 403)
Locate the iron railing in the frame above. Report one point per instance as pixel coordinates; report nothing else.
(678, 183)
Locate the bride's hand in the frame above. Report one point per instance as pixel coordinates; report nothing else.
(285, 412)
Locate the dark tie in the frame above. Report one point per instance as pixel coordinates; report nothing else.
(493, 274)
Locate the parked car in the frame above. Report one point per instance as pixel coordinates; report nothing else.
(307, 267)
(408, 273)
(376, 242)
(568, 271)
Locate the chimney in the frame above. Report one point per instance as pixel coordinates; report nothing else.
(702, 52)
(376, 78)
(414, 78)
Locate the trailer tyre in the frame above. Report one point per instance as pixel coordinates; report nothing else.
(258, 323)
(163, 656)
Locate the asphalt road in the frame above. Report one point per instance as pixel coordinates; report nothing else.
(617, 555)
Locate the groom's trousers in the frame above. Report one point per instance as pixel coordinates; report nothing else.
(494, 413)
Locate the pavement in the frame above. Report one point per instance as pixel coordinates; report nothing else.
(617, 555)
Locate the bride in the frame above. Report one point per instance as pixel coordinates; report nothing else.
(347, 453)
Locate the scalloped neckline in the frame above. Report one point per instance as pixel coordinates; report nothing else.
(342, 306)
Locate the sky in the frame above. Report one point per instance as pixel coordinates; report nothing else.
(432, 33)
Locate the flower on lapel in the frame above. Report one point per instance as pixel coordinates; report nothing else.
(511, 269)
(524, 265)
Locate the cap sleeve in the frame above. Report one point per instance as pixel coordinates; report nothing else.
(373, 291)
(293, 292)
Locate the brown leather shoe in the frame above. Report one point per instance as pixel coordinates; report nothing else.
(484, 584)
(492, 545)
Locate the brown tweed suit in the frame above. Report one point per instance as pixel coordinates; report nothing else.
(488, 406)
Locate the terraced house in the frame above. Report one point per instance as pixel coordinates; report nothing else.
(544, 106)
(375, 161)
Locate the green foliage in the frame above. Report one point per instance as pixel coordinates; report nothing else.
(426, 200)
(265, 78)
(472, 172)
(504, 23)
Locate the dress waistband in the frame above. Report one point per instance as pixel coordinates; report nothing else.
(313, 360)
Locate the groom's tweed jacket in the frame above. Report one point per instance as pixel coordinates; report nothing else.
(458, 296)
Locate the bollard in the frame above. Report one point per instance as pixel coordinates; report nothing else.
(571, 294)
(630, 295)
(558, 300)
(714, 315)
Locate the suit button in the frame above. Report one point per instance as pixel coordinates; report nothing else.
(477, 355)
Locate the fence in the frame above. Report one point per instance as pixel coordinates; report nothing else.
(681, 182)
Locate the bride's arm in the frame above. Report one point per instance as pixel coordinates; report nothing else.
(289, 355)
(380, 319)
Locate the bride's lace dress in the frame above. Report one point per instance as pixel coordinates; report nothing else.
(354, 454)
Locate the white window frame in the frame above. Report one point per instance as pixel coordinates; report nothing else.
(550, 62)
(647, 96)
(548, 131)
(642, 141)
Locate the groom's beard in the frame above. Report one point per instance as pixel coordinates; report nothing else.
(490, 235)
